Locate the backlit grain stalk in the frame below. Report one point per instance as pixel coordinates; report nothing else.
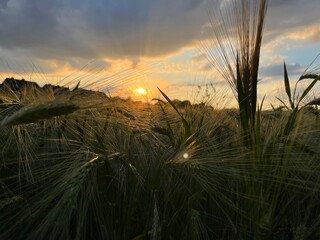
(238, 34)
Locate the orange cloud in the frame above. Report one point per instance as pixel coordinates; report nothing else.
(299, 37)
(308, 33)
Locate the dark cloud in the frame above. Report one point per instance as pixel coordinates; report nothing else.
(21, 64)
(26, 24)
(59, 29)
(278, 70)
(285, 15)
(91, 29)
(78, 64)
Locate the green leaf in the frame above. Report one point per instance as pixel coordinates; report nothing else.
(169, 128)
(285, 105)
(307, 90)
(171, 103)
(287, 86)
(291, 122)
(186, 125)
(314, 102)
(76, 87)
(258, 130)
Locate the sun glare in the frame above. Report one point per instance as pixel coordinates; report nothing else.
(141, 91)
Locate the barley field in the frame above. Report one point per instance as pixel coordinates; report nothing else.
(77, 164)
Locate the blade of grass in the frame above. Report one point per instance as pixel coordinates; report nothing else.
(314, 102)
(186, 125)
(307, 90)
(287, 86)
(284, 104)
(76, 87)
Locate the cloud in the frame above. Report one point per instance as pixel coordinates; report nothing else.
(200, 57)
(285, 16)
(273, 70)
(114, 29)
(22, 64)
(311, 32)
(25, 24)
(58, 36)
(123, 28)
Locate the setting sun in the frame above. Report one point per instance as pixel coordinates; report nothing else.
(141, 91)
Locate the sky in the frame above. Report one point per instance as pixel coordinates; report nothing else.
(119, 46)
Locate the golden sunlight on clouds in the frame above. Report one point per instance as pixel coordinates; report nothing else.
(311, 32)
(296, 38)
